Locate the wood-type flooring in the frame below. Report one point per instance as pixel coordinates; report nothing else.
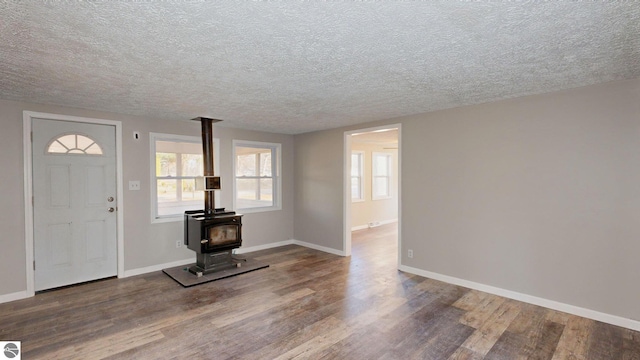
(306, 305)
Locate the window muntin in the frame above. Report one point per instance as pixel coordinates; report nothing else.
(381, 176)
(357, 176)
(256, 172)
(176, 162)
(74, 144)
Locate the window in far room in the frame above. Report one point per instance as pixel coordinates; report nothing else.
(176, 161)
(257, 176)
(357, 176)
(381, 180)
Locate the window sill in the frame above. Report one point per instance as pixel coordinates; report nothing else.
(258, 210)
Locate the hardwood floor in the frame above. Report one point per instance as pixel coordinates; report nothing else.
(307, 304)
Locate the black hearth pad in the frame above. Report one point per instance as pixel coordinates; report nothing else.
(182, 275)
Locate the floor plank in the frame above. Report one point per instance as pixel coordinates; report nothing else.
(307, 304)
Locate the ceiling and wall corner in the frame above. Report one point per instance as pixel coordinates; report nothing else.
(298, 67)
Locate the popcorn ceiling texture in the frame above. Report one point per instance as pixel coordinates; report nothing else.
(294, 67)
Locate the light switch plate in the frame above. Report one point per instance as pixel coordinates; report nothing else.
(134, 185)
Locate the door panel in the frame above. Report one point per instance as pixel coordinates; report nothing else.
(74, 233)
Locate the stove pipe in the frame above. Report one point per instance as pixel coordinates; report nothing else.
(207, 159)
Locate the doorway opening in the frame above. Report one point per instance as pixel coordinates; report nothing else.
(372, 190)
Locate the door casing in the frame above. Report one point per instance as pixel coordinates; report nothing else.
(27, 119)
(346, 187)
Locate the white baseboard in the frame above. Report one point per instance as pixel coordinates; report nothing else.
(243, 250)
(318, 247)
(158, 267)
(378, 223)
(550, 304)
(359, 227)
(13, 296)
(289, 242)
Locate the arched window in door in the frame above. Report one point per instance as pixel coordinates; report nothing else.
(74, 144)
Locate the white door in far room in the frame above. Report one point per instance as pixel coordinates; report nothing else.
(74, 202)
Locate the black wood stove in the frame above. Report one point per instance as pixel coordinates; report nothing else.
(212, 233)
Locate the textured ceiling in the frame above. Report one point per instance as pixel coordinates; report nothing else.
(294, 67)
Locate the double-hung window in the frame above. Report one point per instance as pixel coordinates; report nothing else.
(381, 182)
(176, 161)
(257, 176)
(357, 176)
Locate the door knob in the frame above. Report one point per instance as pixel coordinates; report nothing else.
(111, 209)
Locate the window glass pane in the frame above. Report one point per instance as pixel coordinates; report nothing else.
(256, 175)
(94, 149)
(355, 188)
(192, 165)
(68, 140)
(381, 165)
(254, 193)
(83, 142)
(74, 144)
(266, 190)
(178, 161)
(189, 191)
(265, 163)
(57, 147)
(167, 190)
(246, 165)
(355, 164)
(247, 189)
(165, 164)
(380, 186)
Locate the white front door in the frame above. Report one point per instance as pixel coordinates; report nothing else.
(74, 202)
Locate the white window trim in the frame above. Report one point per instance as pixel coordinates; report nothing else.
(362, 160)
(277, 177)
(153, 137)
(389, 156)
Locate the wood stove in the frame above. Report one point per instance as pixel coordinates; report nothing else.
(212, 233)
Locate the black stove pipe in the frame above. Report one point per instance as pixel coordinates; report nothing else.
(207, 159)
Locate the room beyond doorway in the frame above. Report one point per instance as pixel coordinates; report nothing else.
(372, 180)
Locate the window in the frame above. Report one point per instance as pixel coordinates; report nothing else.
(175, 163)
(256, 169)
(74, 144)
(381, 176)
(357, 173)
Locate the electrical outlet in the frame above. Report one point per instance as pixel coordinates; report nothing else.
(178, 244)
(410, 254)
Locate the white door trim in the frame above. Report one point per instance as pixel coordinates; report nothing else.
(27, 118)
(346, 190)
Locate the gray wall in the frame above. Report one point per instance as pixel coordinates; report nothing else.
(140, 234)
(319, 167)
(539, 195)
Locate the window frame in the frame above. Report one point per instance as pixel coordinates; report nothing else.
(276, 175)
(374, 167)
(153, 138)
(360, 176)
